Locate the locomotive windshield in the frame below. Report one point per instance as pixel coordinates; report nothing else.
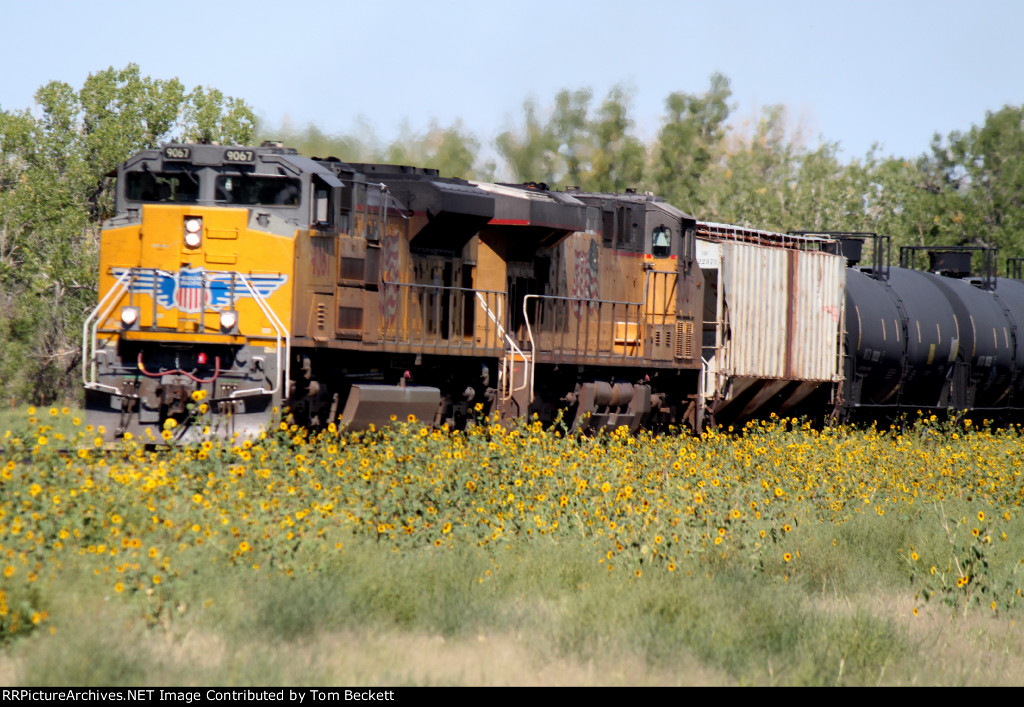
(162, 187)
(252, 190)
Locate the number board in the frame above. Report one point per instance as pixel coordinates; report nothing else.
(177, 153)
(239, 156)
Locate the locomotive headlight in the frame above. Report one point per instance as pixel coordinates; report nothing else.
(129, 317)
(193, 231)
(228, 320)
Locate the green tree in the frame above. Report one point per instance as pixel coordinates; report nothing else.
(689, 142)
(617, 160)
(452, 150)
(753, 181)
(977, 179)
(530, 153)
(573, 147)
(55, 168)
(569, 127)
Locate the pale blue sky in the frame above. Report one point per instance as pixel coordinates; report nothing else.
(852, 72)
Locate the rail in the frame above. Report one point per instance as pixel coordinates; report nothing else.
(506, 375)
(605, 331)
(439, 319)
(281, 333)
(89, 340)
(794, 240)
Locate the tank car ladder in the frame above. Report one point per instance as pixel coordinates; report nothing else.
(514, 360)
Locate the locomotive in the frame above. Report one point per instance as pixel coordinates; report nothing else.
(238, 281)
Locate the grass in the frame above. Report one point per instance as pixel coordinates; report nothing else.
(417, 622)
(779, 555)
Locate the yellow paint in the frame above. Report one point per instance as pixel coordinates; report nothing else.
(228, 245)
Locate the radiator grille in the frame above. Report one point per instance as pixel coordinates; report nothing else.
(352, 268)
(684, 340)
(350, 318)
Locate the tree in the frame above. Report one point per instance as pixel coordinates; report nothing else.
(617, 158)
(531, 153)
(753, 181)
(688, 143)
(979, 179)
(55, 172)
(451, 151)
(575, 148)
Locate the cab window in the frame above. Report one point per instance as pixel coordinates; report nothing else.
(661, 241)
(249, 190)
(175, 187)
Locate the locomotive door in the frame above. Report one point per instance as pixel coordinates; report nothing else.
(529, 279)
(661, 275)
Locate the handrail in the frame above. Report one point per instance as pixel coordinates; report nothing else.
(418, 316)
(702, 387)
(793, 240)
(450, 288)
(516, 351)
(89, 359)
(282, 332)
(90, 330)
(613, 303)
(643, 300)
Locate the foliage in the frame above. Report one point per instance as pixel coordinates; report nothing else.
(55, 190)
(421, 529)
(689, 142)
(452, 150)
(966, 190)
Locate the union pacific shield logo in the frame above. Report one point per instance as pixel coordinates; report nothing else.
(193, 293)
(192, 290)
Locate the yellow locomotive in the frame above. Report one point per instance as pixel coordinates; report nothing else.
(244, 279)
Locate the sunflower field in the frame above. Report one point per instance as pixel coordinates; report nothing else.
(776, 553)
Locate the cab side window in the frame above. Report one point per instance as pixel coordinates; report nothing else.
(661, 241)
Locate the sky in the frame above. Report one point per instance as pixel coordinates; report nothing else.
(856, 73)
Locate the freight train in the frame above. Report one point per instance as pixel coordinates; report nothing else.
(237, 281)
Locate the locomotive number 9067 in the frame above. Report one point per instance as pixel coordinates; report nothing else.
(239, 156)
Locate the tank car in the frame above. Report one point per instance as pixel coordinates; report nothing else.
(930, 339)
